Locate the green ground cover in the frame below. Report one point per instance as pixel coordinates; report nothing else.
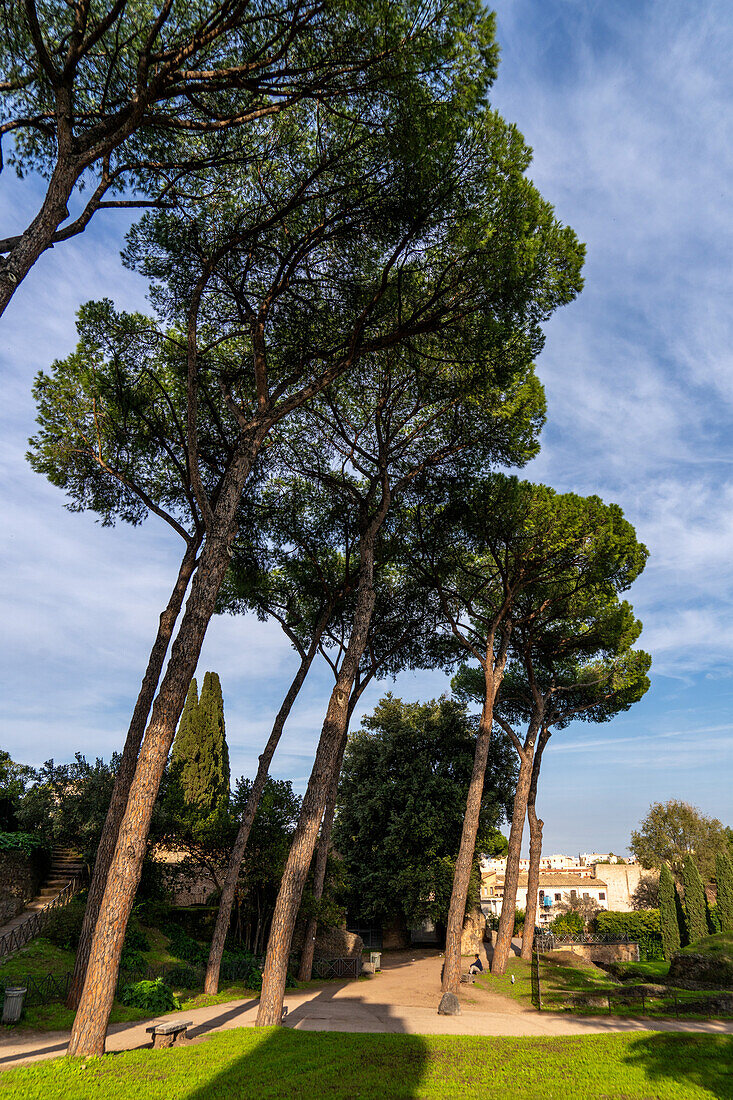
(273, 1063)
(569, 983)
(721, 943)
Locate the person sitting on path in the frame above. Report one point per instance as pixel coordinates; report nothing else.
(476, 966)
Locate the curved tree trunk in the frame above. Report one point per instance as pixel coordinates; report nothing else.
(319, 875)
(126, 771)
(223, 917)
(464, 863)
(535, 849)
(38, 237)
(334, 732)
(511, 878)
(90, 1025)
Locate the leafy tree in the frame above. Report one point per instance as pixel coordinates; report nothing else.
(695, 901)
(646, 894)
(400, 807)
(13, 780)
(67, 803)
(674, 830)
(126, 106)
(724, 881)
(267, 851)
(668, 912)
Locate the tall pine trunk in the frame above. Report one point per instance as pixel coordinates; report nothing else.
(223, 917)
(511, 878)
(464, 863)
(126, 771)
(90, 1024)
(319, 874)
(536, 826)
(334, 731)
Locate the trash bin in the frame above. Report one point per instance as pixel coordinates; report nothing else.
(13, 1004)
(375, 957)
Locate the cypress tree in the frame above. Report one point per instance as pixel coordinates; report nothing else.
(200, 757)
(187, 735)
(668, 913)
(695, 901)
(724, 879)
(214, 764)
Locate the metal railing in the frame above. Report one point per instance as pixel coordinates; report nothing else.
(548, 941)
(337, 968)
(35, 922)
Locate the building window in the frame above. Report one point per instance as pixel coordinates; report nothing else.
(542, 894)
(573, 895)
(601, 897)
(558, 897)
(586, 896)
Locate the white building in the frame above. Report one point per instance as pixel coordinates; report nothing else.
(610, 885)
(554, 887)
(555, 862)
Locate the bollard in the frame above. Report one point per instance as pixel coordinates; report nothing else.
(13, 1004)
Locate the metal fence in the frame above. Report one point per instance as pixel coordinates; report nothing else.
(35, 922)
(337, 968)
(372, 936)
(547, 941)
(535, 976)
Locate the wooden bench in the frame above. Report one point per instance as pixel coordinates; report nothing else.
(165, 1035)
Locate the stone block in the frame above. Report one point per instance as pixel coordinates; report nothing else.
(449, 1005)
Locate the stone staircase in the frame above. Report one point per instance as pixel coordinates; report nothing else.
(65, 867)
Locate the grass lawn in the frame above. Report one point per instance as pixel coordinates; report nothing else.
(275, 1063)
(37, 959)
(567, 981)
(721, 943)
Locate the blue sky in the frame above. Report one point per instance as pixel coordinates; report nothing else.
(629, 109)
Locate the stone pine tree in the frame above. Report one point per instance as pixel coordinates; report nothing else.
(668, 912)
(724, 879)
(200, 758)
(695, 901)
(414, 199)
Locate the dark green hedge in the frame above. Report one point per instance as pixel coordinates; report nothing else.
(642, 927)
(21, 842)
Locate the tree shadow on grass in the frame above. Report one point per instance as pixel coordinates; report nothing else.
(360, 1064)
(702, 1060)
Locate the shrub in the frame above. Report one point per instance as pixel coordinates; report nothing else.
(21, 842)
(135, 938)
(642, 926)
(63, 927)
(518, 922)
(568, 924)
(183, 977)
(150, 996)
(185, 948)
(132, 959)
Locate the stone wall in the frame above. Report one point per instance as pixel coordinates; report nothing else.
(692, 971)
(621, 880)
(474, 930)
(332, 943)
(21, 876)
(602, 952)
